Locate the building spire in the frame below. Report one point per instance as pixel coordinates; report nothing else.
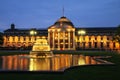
(63, 11)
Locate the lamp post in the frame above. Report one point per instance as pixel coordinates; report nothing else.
(81, 33)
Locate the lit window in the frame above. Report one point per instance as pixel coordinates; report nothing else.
(24, 38)
(29, 39)
(95, 38)
(8, 39)
(89, 38)
(13, 38)
(18, 38)
(109, 45)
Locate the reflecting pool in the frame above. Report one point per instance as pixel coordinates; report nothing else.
(58, 63)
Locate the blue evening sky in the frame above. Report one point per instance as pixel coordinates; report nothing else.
(43, 13)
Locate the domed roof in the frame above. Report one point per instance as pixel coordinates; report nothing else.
(63, 22)
(63, 19)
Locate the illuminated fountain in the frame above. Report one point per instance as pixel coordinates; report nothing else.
(41, 49)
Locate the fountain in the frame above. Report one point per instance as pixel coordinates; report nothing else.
(41, 49)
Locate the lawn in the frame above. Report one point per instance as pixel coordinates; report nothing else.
(76, 73)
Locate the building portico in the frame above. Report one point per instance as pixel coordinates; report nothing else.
(62, 35)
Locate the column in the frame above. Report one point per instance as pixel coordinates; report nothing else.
(58, 40)
(68, 40)
(5, 41)
(80, 41)
(93, 43)
(48, 37)
(64, 40)
(53, 41)
(73, 40)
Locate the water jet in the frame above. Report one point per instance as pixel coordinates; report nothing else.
(41, 49)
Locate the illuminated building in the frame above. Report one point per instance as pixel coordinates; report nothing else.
(63, 35)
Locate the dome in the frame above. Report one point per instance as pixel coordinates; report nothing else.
(64, 22)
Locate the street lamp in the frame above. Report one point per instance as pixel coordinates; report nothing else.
(81, 32)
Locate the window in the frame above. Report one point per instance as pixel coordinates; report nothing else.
(56, 46)
(83, 44)
(107, 44)
(78, 43)
(78, 38)
(24, 39)
(95, 38)
(66, 45)
(8, 38)
(95, 44)
(18, 38)
(66, 41)
(29, 38)
(90, 45)
(101, 44)
(71, 45)
(56, 41)
(114, 44)
(13, 39)
(83, 38)
(89, 38)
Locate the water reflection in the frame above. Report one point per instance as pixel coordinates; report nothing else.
(14, 63)
(39, 64)
(60, 62)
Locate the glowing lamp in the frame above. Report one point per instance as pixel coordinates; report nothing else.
(81, 32)
(32, 32)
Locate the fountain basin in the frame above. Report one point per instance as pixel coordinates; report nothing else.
(41, 49)
(41, 54)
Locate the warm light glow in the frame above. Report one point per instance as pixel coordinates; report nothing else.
(35, 32)
(68, 30)
(81, 60)
(32, 32)
(58, 63)
(81, 32)
(41, 44)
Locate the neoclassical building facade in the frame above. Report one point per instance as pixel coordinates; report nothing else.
(63, 35)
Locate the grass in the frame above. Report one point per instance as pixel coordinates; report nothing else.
(76, 73)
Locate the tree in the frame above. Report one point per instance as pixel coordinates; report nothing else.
(1, 38)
